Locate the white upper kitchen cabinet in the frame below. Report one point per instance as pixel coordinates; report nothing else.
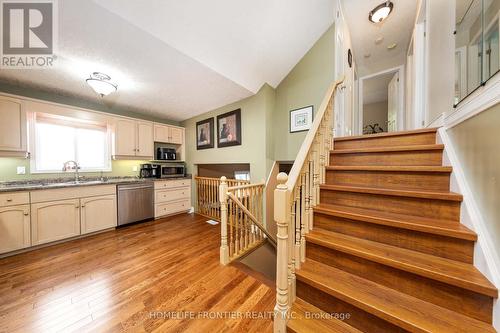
(125, 137)
(145, 144)
(133, 139)
(13, 127)
(169, 134)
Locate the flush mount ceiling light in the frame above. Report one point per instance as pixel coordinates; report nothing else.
(101, 83)
(381, 12)
(392, 46)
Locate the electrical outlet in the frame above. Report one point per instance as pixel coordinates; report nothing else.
(134, 168)
(21, 170)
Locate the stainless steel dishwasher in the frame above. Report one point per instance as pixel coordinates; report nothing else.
(135, 202)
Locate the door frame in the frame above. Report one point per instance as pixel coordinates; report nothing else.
(401, 110)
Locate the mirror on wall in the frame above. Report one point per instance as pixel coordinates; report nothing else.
(477, 48)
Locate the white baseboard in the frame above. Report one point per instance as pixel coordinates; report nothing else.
(486, 257)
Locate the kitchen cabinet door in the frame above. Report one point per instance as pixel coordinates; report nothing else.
(145, 144)
(98, 213)
(56, 220)
(125, 137)
(176, 135)
(162, 133)
(15, 230)
(12, 125)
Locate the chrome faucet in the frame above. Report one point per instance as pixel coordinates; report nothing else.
(72, 165)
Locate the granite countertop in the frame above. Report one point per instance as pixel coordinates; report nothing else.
(47, 184)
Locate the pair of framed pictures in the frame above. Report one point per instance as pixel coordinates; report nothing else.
(228, 131)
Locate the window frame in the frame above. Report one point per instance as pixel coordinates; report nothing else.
(32, 138)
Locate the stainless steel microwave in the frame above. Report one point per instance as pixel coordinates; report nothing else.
(171, 170)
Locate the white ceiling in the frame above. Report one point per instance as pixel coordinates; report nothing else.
(375, 89)
(177, 59)
(397, 28)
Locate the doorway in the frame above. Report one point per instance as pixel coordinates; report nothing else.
(381, 102)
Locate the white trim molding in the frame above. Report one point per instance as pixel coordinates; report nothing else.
(480, 100)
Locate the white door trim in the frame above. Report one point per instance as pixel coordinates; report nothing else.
(401, 109)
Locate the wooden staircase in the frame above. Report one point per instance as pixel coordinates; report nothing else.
(387, 252)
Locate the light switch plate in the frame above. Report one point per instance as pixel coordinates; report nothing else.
(134, 168)
(21, 170)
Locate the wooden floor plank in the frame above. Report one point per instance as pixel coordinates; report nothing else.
(118, 280)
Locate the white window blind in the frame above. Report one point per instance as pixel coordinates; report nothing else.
(58, 140)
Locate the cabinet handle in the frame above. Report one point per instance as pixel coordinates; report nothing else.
(83, 206)
(77, 207)
(9, 200)
(26, 214)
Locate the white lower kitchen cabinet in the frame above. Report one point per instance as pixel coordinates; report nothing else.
(15, 230)
(172, 197)
(98, 213)
(55, 220)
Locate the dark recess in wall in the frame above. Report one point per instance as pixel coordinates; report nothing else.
(219, 170)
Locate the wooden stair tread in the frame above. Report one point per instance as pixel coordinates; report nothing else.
(405, 311)
(410, 222)
(448, 271)
(386, 134)
(299, 323)
(390, 168)
(395, 192)
(388, 149)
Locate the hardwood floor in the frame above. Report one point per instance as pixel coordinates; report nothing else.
(131, 279)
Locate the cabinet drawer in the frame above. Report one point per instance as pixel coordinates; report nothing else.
(14, 198)
(172, 207)
(172, 183)
(173, 194)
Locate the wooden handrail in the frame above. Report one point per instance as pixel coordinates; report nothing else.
(294, 199)
(240, 187)
(272, 239)
(242, 211)
(309, 139)
(207, 195)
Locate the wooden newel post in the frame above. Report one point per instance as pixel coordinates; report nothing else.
(224, 250)
(282, 218)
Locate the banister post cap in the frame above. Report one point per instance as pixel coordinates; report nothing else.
(282, 178)
(223, 179)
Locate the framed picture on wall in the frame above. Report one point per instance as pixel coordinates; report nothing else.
(205, 134)
(229, 129)
(301, 119)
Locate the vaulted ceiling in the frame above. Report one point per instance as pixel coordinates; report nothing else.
(177, 59)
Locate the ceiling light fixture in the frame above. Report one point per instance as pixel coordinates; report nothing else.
(392, 46)
(101, 83)
(381, 12)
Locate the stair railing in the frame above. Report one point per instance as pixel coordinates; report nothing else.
(294, 199)
(242, 215)
(207, 195)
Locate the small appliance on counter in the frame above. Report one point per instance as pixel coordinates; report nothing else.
(165, 154)
(149, 170)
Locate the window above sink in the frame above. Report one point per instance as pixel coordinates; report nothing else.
(57, 139)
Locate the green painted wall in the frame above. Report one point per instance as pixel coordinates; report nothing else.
(8, 170)
(265, 116)
(255, 113)
(305, 85)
